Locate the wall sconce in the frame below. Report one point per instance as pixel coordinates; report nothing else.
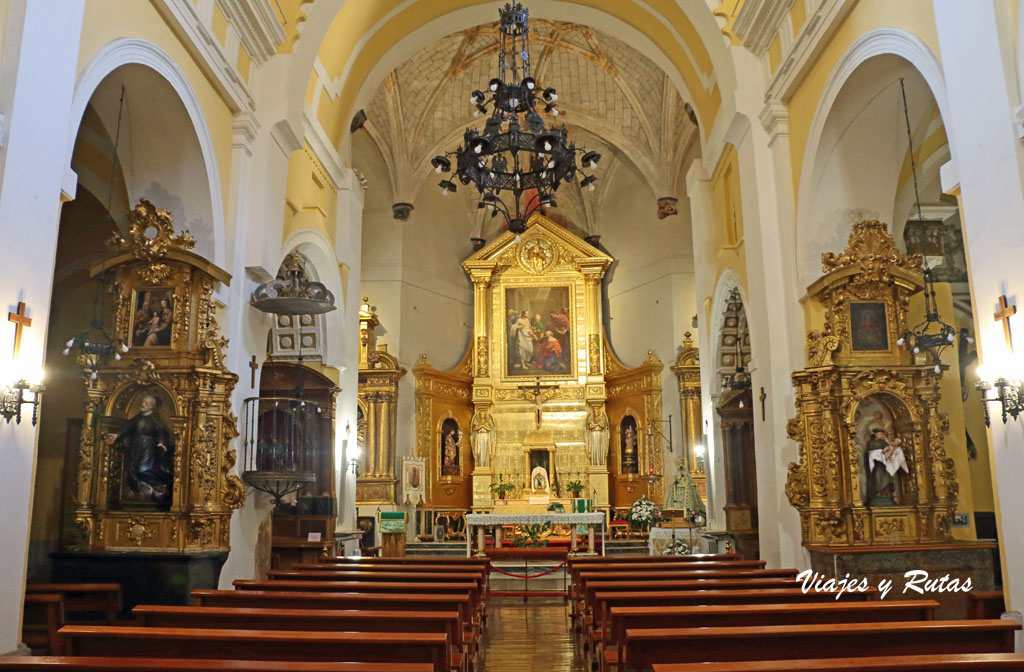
(698, 450)
(353, 461)
(1009, 394)
(13, 397)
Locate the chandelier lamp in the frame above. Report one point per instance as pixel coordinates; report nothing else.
(93, 344)
(516, 162)
(931, 336)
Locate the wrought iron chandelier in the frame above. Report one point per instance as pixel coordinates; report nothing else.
(516, 152)
(93, 343)
(932, 335)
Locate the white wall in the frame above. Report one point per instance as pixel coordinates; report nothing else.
(37, 78)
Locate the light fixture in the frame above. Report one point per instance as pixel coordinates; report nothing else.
(353, 461)
(291, 293)
(515, 152)
(738, 380)
(651, 430)
(13, 397)
(93, 344)
(931, 336)
(1009, 394)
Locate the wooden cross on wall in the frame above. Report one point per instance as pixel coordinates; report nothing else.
(1003, 315)
(762, 398)
(255, 367)
(536, 390)
(20, 322)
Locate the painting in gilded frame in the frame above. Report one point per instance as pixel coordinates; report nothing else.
(538, 331)
(869, 327)
(152, 317)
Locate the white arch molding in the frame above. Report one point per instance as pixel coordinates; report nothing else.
(883, 41)
(134, 51)
(317, 249)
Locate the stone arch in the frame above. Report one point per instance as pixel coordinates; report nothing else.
(146, 61)
(917, 60)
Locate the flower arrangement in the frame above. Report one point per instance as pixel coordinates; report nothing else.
(644, 513)
(677, 547)
(574, 487)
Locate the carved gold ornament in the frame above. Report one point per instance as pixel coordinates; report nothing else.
(536, 255)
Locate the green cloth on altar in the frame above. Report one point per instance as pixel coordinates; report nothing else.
(392, 521)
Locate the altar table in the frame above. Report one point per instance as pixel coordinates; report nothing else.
(482, 520)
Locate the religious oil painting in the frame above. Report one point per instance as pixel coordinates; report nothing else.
(869, 329)
(538, 331)
(451, 448)
(152, 318)
(143, 453)
(629, 446)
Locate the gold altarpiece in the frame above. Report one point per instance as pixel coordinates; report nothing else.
(379, 375)
(555, 278)
(687, 370)
(858, 374)
(178, 359)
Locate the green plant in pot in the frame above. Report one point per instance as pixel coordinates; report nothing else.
(501, 487)
(575, 488)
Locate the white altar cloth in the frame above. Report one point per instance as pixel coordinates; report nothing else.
(482, 520)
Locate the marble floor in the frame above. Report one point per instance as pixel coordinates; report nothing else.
(532, 636)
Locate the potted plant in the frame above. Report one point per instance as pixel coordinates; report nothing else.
(502, 487)
(644, 514)
(575, 488)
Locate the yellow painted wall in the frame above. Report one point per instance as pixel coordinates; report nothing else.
(108, 20)
(311, 197)
(660, 20)
(220, 25)
(775, 54)
(915, 16)
(797, 15)
(728, 212)
(244, 63)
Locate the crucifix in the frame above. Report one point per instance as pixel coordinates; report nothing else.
(1003, 315)
(254, 366)
(536, 390)
(762, 398)
(20, 322)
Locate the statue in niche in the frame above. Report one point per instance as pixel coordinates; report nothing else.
(451, 448)
(539, 481)
(684, 494)
(597, 435)
(628, 438)
(482, 430)
(148, 445)
(885, 460)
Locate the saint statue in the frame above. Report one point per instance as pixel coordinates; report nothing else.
(482, 431)
(597, 435)
(450, 454)
(148, 445)
(885, 460)
(683, 494)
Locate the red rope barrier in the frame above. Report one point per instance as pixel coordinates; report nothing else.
(522, 576)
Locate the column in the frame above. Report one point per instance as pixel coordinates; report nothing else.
(37, 81)
(986, 172)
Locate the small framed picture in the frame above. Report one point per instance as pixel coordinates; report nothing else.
(869, 327)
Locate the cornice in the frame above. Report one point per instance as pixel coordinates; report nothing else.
(758, 22)
(181, 16)
(811, 40)
(257, 25)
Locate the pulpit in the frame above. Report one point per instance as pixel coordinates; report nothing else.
(392, 532)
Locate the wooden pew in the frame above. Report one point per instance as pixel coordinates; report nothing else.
(381, 567)
(308, 620)
(84, 597)
(605, 601)
(473, 588)
(401, 577)
(745, 615)
(93, 664)
(285, 645)
(650, 585)
(985, 604)
(975, 662)
(645, 647)
(406, 560)
(43, 617)
(407, 601)
(627, 567)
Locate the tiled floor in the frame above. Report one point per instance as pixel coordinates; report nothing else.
(532, 636)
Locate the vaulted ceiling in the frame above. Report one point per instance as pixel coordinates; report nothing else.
(613, 99)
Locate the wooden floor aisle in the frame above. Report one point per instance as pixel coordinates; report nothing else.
(528, 637)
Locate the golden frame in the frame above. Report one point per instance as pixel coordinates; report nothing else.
(439, 442)
(135, 308)
(573, 329)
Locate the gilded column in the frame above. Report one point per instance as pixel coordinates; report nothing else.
(595, 353)
(481, 320)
